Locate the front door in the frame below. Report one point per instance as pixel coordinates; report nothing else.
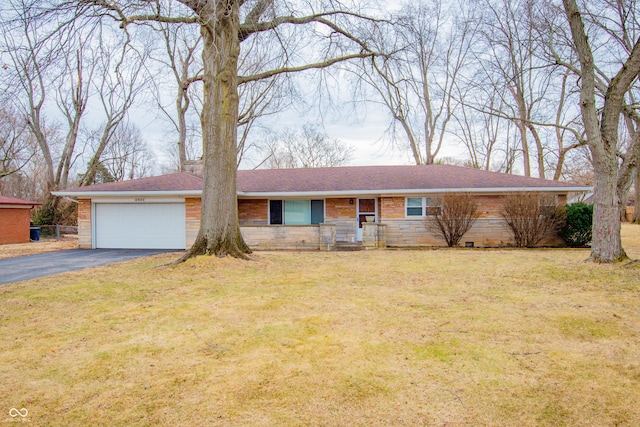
(366, 213)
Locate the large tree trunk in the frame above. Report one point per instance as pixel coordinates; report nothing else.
(219, 230)
(636, 213)
(606, 242)
(602, 135)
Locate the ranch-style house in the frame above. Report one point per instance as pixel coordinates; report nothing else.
(314, 208)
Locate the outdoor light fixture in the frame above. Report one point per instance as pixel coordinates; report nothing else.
(350, 201)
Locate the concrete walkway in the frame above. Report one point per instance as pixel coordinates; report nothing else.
(40, 265)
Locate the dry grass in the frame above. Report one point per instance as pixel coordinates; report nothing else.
(437, 337)
(42, 246)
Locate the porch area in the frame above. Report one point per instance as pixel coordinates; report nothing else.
(319, 237)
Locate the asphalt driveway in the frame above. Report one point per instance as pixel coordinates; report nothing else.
(40, 265)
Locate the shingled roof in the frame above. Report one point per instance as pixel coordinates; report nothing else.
(341, 180)
(174, 182)
(384, 178)
(17, 202)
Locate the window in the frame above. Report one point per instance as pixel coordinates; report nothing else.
(296, 212)
(422, 206)
(317, 211)
(414, 206)
(547, 205)
(275, 212)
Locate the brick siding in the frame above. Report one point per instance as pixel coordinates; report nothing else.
(393, 228)
(84, 224)
(14, 225)
(253, 212)
(391, 207)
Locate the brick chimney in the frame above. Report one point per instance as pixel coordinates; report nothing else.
(195, 167)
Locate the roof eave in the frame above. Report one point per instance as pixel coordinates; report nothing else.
(348, 193)
(357, 193)
(97, 194)
(20, 205)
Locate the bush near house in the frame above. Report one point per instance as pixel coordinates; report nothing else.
(577, 228)
(531, 217)
(456, 214)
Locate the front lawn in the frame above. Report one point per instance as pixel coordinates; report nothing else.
(429, 337)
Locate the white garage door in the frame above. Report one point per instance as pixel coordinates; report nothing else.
(140, 226)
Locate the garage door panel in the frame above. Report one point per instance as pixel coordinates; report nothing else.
(140, 226)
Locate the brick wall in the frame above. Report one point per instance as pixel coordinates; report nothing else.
(489, 206)
(408, 232)
(193, 210)
(14, 225)
(489, 231)
(342, 214)
(84, 224)
(253, 212)
(391, 207)
(340, 208)
(395, 229)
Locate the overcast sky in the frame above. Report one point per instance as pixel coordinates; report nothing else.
(365, 131)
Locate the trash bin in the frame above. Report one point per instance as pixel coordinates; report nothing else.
(34, 234)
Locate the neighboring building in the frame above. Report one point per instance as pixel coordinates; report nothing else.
(315, 208)
(15, 220)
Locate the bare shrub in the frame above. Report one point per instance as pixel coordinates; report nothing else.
(455, 215)
(532, 216)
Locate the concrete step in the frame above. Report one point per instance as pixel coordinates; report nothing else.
(348, 246)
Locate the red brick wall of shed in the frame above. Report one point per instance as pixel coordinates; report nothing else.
(14, 225)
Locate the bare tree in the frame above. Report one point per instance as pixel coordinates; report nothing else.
(72, 98)
(509, 46)
(26, 75)
(517, 81)
(123, 78)
(454, 215)
(15, 145)
(128, 156)
(488, 138)
(53, 68)
(182, 45)
(531, 217)
(428, 47)
(606, 83)
(308, 149)
(331, 28)
(259, 99)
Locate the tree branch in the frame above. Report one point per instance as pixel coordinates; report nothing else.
(316, 65)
